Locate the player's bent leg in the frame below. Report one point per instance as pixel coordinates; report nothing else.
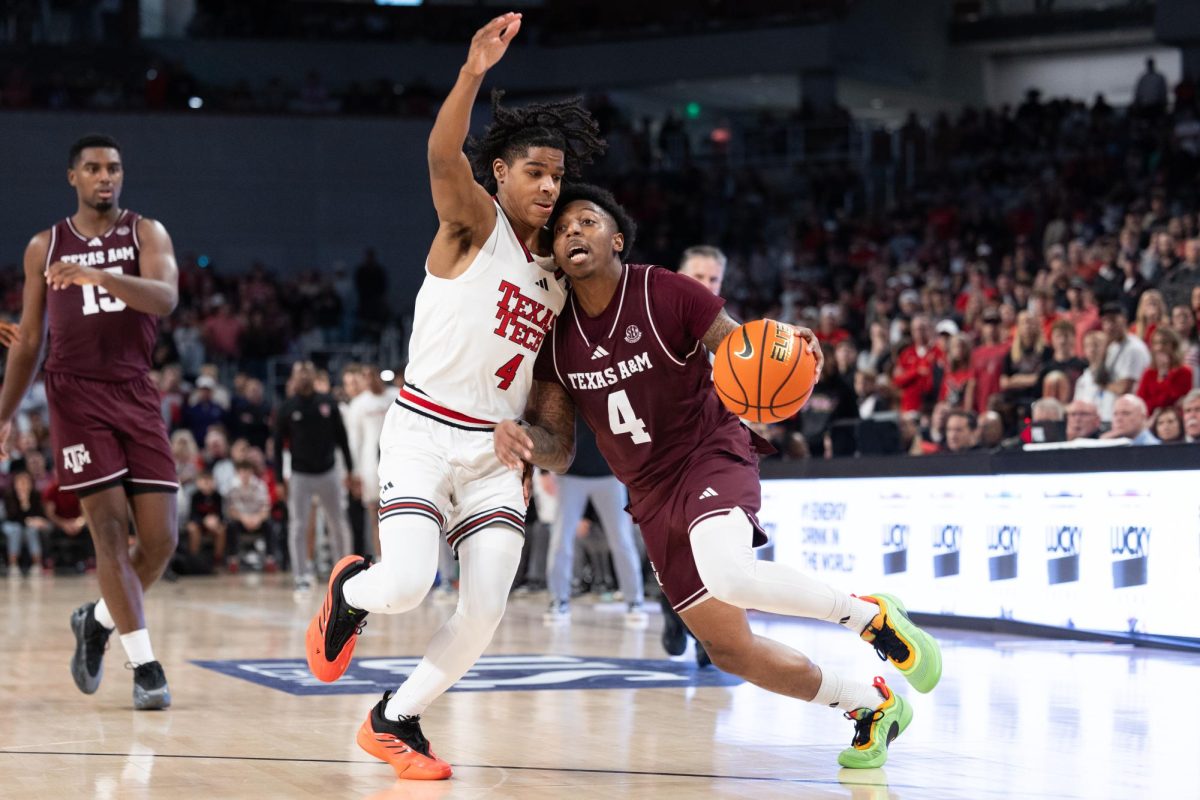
(396, 584)
(489, 561)
(107, 513)
(157, 534)
(722, 549)
(879, 714)
(392, 732)
(725, 633)
(406, 568)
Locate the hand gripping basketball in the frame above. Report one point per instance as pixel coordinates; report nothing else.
(764, 371)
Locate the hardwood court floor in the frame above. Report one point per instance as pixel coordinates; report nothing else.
(1012, 718)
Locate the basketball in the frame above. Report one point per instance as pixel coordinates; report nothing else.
(763, 372)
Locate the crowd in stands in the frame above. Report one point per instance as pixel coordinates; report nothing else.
(1036, 280)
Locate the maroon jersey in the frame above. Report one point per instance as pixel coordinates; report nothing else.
(93, 334)
(640, 377)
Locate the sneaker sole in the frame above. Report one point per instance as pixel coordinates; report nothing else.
(903, 719)
(407, 765)
(314, 638)
(151, 699)
(926, 672)
(88, 684)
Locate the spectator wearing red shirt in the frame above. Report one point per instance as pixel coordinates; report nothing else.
(914, 372)
(829, 330)
(987, 362)
(1167, 380)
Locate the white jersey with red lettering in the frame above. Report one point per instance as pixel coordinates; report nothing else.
(475, 337)
(474, 342)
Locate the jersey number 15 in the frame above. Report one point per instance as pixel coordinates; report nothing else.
(105, 301)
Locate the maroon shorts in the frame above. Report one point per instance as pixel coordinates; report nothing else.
(109, 433)
(711, 484)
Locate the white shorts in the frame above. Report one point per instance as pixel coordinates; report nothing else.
(446, 474)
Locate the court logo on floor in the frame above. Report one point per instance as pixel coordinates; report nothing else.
(490, 674)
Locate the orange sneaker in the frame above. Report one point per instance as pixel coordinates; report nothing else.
(402, 745)
(329, 642)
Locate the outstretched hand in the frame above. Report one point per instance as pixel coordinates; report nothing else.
(490, 42)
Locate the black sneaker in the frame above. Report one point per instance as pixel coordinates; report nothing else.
(150, 689)
(674, 632)
(91, 640)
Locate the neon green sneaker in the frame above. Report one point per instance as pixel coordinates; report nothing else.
(896, 639)
(874, 729)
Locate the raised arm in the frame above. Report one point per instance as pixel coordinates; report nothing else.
(465, 212)
(724, 325)
(155, 291)
(546, 437)
(26, 351)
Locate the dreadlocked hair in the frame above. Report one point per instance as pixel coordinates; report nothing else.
(564, 125)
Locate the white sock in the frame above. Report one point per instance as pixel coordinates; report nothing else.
(137, 647)
(721, 546)
(858, 614)
(845, 695)
(102, 616)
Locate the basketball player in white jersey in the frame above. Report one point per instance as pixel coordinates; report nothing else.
(364, 415)
(487, 303)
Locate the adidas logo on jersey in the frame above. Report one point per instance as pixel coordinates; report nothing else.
(544, 285)
(95, 242)
(599, 352)
(707, 493)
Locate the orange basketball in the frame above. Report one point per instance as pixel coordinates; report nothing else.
(763, 372)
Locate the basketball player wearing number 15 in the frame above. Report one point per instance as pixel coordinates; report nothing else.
(628, 354)
(488, 300)
(99, 280)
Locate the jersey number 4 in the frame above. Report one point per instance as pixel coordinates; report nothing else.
(622, 419)
(105, 301)
(508, 373)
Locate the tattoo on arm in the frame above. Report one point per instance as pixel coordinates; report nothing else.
(721, 327)
(551, 416)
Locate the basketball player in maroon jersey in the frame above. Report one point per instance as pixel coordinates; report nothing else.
(98, 280)
(627, 352)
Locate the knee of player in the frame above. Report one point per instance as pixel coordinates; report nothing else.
(111, 535)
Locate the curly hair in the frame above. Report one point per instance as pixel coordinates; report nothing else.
(564, 125)
(603, 199)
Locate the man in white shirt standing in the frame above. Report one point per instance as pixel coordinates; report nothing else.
(364, 423)
(1127, 356)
